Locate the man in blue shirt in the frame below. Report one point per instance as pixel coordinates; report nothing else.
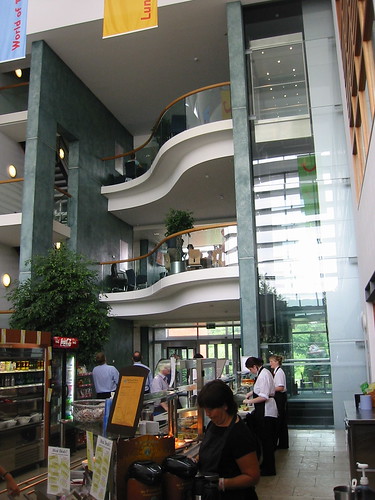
(105, 377)
(137, 361)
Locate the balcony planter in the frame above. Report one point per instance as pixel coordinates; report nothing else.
(176, 221)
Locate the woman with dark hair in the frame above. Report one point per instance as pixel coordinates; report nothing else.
(263, 420)
(282, 435)
(228, 447)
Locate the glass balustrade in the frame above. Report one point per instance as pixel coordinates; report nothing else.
(60, 208)
(206, 106)
(11, 196)
(202, 249)
(14, 98)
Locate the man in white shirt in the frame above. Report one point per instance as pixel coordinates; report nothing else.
(160, 384)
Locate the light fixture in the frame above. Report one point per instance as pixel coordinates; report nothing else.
(57, 245)
(61, 153)
(12, 171)
(18, 72)
(5, 279)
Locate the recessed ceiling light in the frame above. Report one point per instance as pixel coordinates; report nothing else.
(12, 171)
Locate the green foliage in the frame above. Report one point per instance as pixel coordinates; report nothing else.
(62, 297)
(178, 220)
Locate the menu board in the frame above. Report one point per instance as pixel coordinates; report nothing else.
(58, 481)
(127, 402)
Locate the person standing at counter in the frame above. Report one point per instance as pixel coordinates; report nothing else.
(282, 435)
(137, 361)
(12, 486)
(160, 383)
(105, 377)
(263, 420)
(228, 446)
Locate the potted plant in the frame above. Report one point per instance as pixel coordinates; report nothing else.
(176, 221)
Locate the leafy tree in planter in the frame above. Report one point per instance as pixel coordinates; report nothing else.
(62, 297)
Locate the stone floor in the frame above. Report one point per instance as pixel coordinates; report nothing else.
(315, 463)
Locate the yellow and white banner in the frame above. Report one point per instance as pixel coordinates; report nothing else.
(127, 16)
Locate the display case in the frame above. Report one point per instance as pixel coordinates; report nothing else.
(85, 385)
(23, 391)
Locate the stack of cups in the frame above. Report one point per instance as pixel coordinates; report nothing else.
(148, 427)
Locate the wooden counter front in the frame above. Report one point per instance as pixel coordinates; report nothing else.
(146, 447)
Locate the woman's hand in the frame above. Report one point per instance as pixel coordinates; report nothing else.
(12, 486)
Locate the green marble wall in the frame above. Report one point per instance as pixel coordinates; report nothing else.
(60, 102)
(243, 183)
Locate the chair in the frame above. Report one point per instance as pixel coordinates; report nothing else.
(130, 168)
(135, 282)
(194, 260)
(118, 279)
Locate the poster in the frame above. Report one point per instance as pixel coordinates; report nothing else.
(103, 452)
(58, 480)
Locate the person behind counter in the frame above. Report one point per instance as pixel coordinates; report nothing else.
(160, 383)
(263, 419)
(105, 377)
(228, 447)
(282, 435)
(12, 486)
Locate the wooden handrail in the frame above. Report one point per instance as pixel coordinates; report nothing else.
(11, 311)
(180, 233)
(20, 179)
(7, 181)
(21, 84)
(62, 191)
(192, 92)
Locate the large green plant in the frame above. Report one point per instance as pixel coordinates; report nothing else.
(178, 220)
(62, 297)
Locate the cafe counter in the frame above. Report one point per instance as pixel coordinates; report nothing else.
(360, 430)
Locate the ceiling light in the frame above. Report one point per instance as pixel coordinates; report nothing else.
(61, 153)
(12, 171)
(267, 73)
(278, 62)
(5, 279)
(293, 69)
(18, 73)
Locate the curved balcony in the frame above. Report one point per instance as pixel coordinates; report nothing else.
(154, 287)
(201, 106)
(196, 163)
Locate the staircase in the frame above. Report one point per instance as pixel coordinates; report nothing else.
(308, 413)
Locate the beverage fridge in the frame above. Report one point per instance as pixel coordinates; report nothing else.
(24, 406)
(63, 384)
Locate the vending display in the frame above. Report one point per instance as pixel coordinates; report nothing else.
(23, 403)
(63, 382)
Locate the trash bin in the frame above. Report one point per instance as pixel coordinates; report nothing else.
(344, 493)
(144, 481)
(178, 477)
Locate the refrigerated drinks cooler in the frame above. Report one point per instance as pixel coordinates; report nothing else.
(63, 382)
(24, 409)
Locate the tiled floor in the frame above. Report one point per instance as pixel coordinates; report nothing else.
(315, 463)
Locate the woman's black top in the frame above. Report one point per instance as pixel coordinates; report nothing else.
(237, 442)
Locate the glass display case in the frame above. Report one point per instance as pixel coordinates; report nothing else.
(23, 405)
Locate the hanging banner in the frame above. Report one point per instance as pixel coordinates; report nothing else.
(308, 185)
(13, 19)
(128, 16)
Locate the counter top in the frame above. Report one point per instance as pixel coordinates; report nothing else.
(358, 416)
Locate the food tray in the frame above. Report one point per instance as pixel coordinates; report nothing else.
(88, 411)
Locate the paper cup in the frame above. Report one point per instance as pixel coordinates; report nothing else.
(152, 427)
(365, 402)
